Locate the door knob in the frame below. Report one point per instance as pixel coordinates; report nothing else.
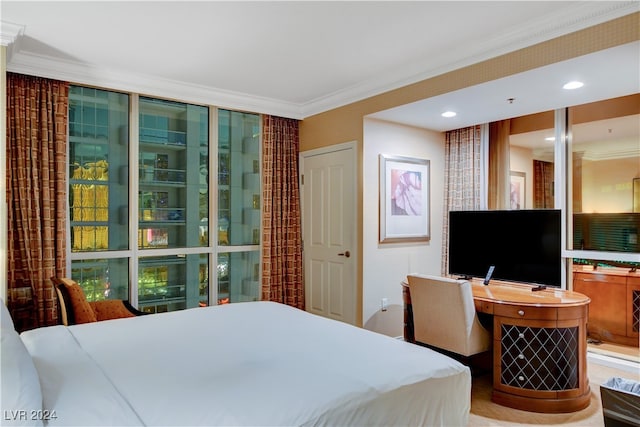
(345, 254)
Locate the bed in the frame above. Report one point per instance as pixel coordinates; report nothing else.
(242, 364)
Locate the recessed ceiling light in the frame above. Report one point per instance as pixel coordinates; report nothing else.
(550, 138)
(573, 85)
(449, 114)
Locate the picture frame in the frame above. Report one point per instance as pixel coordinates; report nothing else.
(404, 202)
(518, 190)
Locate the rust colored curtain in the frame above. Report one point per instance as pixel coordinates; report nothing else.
(282, 233)
(542, 185)
(462, 180)
(36, 187)
(499, 174)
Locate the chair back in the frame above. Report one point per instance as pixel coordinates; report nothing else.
(444, 315)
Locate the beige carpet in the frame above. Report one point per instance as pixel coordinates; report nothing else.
(485, 413)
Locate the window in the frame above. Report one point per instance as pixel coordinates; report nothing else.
(99, 191)
(604, 161)
(151, 221)
(239, 201)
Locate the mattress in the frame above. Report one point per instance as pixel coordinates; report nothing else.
(242, 364)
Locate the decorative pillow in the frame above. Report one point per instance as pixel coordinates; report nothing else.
(110, 309)
(82, 311)
(21, 393)
(5, 317)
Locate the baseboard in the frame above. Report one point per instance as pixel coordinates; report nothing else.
(613, 362)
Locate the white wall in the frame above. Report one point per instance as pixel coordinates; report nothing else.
(386, 265)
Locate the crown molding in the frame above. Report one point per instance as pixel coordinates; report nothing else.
(577, 16)
(85, 74)
(595, 154)
(9, 32)
(566, 20)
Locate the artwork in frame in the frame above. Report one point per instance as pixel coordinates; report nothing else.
(404, 199)
(518, 190)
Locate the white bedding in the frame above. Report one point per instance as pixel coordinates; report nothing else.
(249, 364)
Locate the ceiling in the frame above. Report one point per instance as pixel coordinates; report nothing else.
(296, 59)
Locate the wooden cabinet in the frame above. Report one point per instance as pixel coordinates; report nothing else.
(633, 308)
(615, 303)
(540, 357)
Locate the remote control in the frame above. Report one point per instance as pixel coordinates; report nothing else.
(489, 274)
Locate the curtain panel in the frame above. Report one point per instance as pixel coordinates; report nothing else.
(462, 179)
(282, 233)
(36, 187)
(542, 184)
(499, 165)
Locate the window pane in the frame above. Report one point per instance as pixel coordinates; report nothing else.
(239, 196)
(605, 161)
(102, 278)
(238, 277)
(173, 173)
(98, 165)
(173, 282)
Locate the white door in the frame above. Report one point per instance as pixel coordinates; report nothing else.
(329, 231)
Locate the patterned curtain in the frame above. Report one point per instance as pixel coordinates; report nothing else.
(282, 232)
(542, 185)
(499, 165)
(36, 187)
(462, 178)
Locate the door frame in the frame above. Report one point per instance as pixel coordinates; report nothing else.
(355, 252)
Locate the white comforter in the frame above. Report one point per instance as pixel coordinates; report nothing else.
(249, 364)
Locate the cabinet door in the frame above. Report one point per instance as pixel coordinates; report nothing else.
(633, 306)
(536, 358)
(607, 310)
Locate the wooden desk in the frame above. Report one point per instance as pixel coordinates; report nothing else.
(539, 347)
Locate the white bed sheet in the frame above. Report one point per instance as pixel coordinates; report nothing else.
(243, 364)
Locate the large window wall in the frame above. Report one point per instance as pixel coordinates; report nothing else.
(141, 197)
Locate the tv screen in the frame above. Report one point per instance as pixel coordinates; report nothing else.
(523, 245)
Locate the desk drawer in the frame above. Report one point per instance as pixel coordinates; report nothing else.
(483, 306)
(525, 312)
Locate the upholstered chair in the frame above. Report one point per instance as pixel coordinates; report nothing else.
(444, 315)
(74, 307)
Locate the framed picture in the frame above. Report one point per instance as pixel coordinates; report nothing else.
(518, 190)
(404, 199)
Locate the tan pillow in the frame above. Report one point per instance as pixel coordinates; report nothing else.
(82, 311)
(110, 309)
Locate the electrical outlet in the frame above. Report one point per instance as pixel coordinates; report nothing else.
(384, 303)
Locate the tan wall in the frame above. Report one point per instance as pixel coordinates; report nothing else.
(346, 123)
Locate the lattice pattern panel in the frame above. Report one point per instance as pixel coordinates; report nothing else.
(539, 358)
(635, 306)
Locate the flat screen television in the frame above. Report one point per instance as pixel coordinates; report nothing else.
(523, 245)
